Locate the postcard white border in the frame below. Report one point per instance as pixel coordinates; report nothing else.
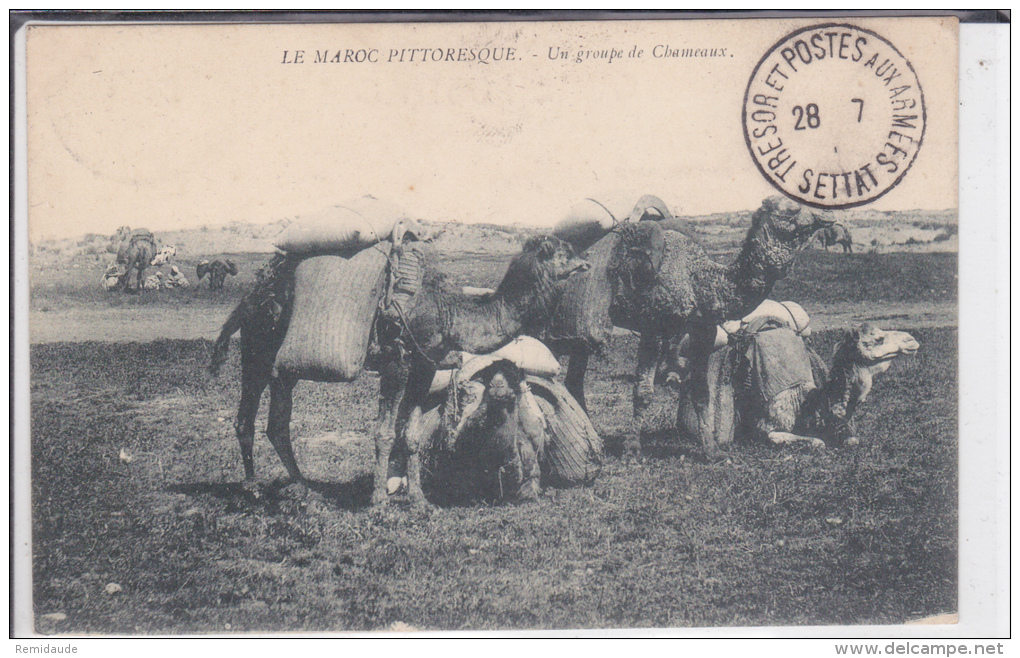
(984, 384)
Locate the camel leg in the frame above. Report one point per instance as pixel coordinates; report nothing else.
(417, 391)
(412, 434)
(644, 389)
(531, 474)
(281, 403)
(785, 438)
(577, 366)
(254, 379)
(392, 384)
(244, 426)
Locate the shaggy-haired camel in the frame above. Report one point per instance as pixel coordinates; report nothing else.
(491, 443)
(436, 322)
(663, 285)
(821, 410)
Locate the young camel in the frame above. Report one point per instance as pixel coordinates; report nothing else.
(663, 285)
(435, 322)
(439, 321)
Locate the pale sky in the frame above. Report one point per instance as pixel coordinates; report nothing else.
(174, 127)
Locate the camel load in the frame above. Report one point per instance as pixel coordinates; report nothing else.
(588, 220)
(346, 260)
(343, 229)
(335, 300)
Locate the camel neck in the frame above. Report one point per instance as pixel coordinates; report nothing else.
(481, 327)
(847, 381)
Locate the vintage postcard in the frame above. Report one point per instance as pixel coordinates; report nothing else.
(491, 326)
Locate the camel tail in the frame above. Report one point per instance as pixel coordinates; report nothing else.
(222, 344)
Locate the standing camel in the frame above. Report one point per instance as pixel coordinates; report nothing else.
(836, 234)
(663, 285)
(434, 322)
(217, 272)
(136, 254)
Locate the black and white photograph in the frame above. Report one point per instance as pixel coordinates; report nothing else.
(491, 326)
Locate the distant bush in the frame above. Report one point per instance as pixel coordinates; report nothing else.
(935, 226)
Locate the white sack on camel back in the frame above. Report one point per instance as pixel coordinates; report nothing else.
(662, 284)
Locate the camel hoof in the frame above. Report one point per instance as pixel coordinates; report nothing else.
(529, 492)
(417, 498)
(717, 457)
(632, 450)
(252, 488)
(817, 443)
(396, 485)
(852, 441)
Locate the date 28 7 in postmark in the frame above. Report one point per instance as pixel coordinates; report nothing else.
(834, 116)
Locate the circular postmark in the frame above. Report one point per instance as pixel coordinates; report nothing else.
(833, 116)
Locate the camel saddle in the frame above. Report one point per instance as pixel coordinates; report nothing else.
(775, 358)
(404, 278)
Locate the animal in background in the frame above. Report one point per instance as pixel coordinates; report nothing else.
(217, 271)
(112, 278)
(153, 282)
(837, 234)
(136, 254)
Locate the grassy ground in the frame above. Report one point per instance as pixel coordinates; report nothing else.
(774, 537)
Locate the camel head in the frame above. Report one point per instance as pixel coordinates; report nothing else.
(532, 277)
(556, 255)
(502, 427)
(874, 349)
(789, 221)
